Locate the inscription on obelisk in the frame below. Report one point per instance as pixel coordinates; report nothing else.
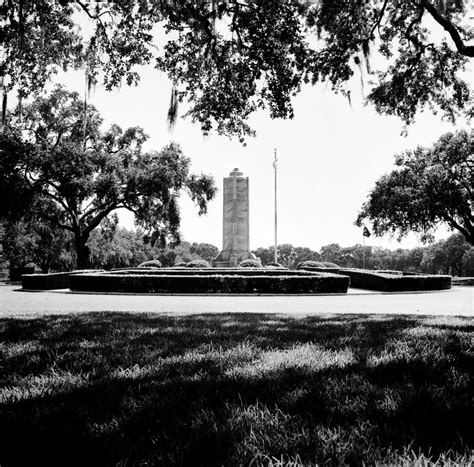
(235, 237)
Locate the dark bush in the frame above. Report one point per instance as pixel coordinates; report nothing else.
(16, 273)
(198, 263)
(364, 279)
(217, 283)
(154, 263)
(250, 263)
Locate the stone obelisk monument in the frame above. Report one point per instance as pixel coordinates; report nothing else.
(235, 243)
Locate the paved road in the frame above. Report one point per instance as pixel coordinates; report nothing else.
(457, 301)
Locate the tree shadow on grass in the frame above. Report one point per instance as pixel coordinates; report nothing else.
(114, 388)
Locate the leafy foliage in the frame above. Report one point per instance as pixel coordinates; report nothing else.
(288, 255)
(198, 263)
(127, 248)
(12, 182)
(86, 173)
(310, 264)
(154, 263)
(34, 239)
(228, 58)
(429, 186)
(452, 256)
(274, 265)
(250, 263)
(204, 251)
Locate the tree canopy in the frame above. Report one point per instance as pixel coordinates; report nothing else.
(429, 186)
(229, 58)
(83, 173)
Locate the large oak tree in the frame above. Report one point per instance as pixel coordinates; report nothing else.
(84, 173)
(231, 57)
(429, 186)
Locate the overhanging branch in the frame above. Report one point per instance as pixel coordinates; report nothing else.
(463, 49)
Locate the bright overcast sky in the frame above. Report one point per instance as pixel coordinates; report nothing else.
(330, 156)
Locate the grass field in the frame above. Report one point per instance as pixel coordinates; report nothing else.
(137, 389)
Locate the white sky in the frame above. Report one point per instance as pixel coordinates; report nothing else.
(330, 156)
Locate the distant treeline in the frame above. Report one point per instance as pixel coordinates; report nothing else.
(114, 247)
(451, 256)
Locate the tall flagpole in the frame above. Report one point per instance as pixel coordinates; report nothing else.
(363, 250)
(275, 167)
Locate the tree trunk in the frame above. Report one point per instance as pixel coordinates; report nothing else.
(82, 251)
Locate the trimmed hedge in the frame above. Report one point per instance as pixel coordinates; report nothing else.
(275, 265)
(363, 279)
(467, 281)
(310, 264)
(214, 283)
(215, 272)
(250, 263)
(55, 280)
(389, 271)
(153, 263)
(198, 263)
(321, 269)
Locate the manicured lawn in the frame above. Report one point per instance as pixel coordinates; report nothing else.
(140, 389)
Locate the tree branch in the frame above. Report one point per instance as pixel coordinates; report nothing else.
(463, 49)
(60, 201)
(59, 224)
(98, 219)
(413, 39)
(89, 14)
(379, 19)
(450, 220)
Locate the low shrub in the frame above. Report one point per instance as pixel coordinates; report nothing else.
(275, 265)
(180, 264)
(371, 280)
(55, 280)
(154, 263)
(16, 273)
(198, 263)
(310, 264)
(250, 263)
(328, 264)
(217, 283)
